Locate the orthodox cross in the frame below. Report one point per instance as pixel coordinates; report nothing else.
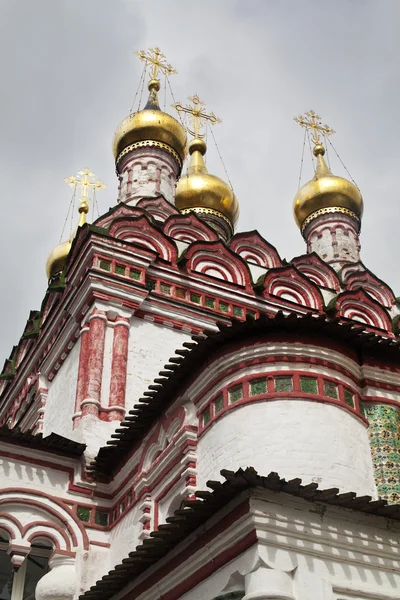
(85, 180)
(311, 121)
(197, 115)
(158, 62)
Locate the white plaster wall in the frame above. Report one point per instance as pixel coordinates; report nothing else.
(60, 402)
(19, 474)
(95, 564)
(124, 538)
(172, 501)
(150, 347)
(316, 442)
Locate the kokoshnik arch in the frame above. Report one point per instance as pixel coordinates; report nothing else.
(188, 416)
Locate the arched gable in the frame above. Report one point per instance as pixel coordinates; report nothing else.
(371, 284)
(318, 271)
(214, 259)
(253, 248)
(350, 269)
(288, 284)
(143, 234)
(41, 517)
(359, 306)
(161, 438)
(118, 212)
(189, 228)
(159, 208)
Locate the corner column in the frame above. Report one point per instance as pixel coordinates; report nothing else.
(119, 369)
(90, 405)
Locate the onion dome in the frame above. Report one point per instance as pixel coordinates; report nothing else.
(198, 191)
(150, 127)
(58, 256)
(57, 259)
(326, 193)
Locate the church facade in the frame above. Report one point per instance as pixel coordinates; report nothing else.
(189, 416)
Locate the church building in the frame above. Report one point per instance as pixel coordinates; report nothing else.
(191, 417)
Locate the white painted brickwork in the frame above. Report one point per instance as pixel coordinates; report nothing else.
(124, 538)
(316, 442)
(61, 397)
(150, 347)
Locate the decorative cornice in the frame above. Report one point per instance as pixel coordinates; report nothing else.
(148, 144)
(201, 210)
(330, 210)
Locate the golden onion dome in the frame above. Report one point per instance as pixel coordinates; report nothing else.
(57, 259)
(198, 191)
(151, 126)
(58, 256)
(326, 193)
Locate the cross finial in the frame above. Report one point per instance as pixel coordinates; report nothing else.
(311, 121)
(197, 114)
(158, 62)
(85, 180)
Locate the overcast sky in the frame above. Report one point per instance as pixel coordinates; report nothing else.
(68, 76)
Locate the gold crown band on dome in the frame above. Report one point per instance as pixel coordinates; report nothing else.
(208, 211)
(330, 210)
(148, 143)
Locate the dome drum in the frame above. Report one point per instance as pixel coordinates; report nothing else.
(327, 211)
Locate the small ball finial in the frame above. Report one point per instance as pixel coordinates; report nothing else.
(83, 208)
(318, 150)
(197, 144)
(154, 84)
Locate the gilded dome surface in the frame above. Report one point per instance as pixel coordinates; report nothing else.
(150, 125)
(57, 259)
(326, 192)
(198, 189)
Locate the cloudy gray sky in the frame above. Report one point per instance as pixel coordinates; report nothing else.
(68, 76)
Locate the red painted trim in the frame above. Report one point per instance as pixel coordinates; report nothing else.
(199, 543)
(37, 461)
(8, 529)
(18, 499)
(13, 519)
(378, 400)
(213, 565)
(295, 394)
(101, 544)
(163, 493)
(48, 536)
(52, 526)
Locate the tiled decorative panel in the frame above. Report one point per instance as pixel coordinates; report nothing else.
(384, 422)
